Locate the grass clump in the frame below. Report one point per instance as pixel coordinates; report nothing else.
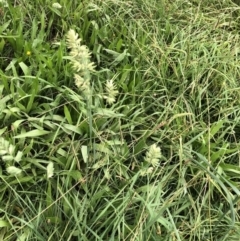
(119, 120)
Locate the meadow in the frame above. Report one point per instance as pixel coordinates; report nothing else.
(119, 120)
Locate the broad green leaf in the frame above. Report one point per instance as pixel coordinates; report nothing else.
(3, 152)
(67, 114)
(99, 164)
(107, 113)
(18, 157)
(34, 29)
(4, 223)
(33, 133)
(56, 11)
(11, 149)
(216, 127)
(118, 57)
(84, 151)
(22, 180)
(140, 146)
(62, 152)
(7, 158)
(24, 68)
(5, 25)
(9, 36)
(72, 128)
(17, 123)
(2, 44)
(31, 101)
(75, 174)
(119, 45)
(12, 170)
(50, 170)
(4, 100)
(107, 173)
(230, 168)
(2, 130)
(102, 148)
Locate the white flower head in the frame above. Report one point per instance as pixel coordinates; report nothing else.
(72, 39)
(111, 92)
(83, 84)
(147, 171)
(56, 5)
(153, 155)
(80, 59)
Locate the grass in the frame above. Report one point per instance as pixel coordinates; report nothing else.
(145, 146)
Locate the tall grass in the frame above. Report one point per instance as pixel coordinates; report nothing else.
(119, 120)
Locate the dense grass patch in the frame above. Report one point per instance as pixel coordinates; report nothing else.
(131, 133)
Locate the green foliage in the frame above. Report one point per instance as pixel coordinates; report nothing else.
(150, 151)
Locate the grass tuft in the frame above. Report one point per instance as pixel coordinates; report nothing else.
(119, 120)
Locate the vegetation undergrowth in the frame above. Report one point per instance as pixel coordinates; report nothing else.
(119, 120)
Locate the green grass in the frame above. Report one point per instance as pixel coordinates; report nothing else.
(74, 166)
